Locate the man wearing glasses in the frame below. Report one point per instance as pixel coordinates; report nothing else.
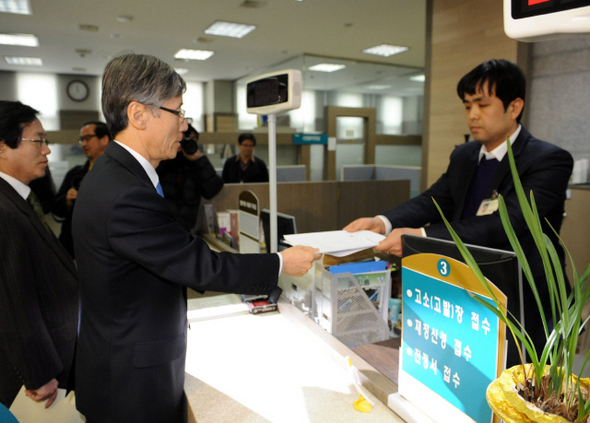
(135, 260)
(94, 138)
(38, 282)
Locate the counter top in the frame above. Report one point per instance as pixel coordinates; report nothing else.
(274, 367)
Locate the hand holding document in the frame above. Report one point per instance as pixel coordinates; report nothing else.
(337, 243)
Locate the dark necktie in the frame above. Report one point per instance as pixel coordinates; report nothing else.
(478, 187)
(36, 204)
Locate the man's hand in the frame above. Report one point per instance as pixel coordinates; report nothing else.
(71, 196)
(298, 260)
(393, 243)
(374, 224)
(46, 392)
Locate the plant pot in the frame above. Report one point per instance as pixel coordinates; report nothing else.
(504, 400)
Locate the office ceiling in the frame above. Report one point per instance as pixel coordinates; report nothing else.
(286, 30)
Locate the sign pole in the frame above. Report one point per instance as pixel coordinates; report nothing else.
(272, 180)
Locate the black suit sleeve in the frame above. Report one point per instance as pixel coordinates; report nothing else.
(143, 231)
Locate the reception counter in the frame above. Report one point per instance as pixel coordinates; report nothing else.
(276, 367)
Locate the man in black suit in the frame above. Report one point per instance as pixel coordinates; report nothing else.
(493, 94)
(94, 138)
(135, 261)
(244, 167)
(38, 284)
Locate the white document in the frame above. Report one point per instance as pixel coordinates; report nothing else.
(337, 243)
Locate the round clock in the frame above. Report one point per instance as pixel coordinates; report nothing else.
(77, 90)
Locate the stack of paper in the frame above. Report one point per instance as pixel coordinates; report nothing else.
(337, 243)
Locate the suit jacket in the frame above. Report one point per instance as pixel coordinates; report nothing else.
(60, 207)
(255, 172)
(38, 300)
(135, 262)
(543, 168)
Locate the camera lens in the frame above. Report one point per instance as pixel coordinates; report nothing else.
(189, 145)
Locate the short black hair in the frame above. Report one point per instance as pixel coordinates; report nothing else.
(191, 130)
(247, 136)
(14, 115)
(100, 128)
(504, 78)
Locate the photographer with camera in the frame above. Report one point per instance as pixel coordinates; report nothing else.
(186, 178)
(94, 138)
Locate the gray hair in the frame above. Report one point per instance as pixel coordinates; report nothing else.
(136, 77)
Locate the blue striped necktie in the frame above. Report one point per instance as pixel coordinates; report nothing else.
(159, 189)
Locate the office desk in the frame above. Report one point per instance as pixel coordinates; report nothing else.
(272, 368)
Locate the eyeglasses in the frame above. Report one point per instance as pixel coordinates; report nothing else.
(38, 142)
(180, 113)
(86, 138)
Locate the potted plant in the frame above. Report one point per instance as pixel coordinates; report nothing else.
(544, 390)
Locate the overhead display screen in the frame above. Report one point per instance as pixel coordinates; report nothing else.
(527, 8)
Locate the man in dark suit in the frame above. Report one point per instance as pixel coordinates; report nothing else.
(94, 138)
(244, 167)
(135, 260)
(493, 94)
(38, 285)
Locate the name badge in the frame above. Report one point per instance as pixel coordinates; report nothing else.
(487, 207)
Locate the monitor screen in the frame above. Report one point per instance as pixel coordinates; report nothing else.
(501, 267)
(285, 226)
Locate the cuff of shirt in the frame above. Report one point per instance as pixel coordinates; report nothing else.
(280, 263)
(387, 223)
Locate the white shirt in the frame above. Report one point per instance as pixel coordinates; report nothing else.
(22, 189)
(497, 153)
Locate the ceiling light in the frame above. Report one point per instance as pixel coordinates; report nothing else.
(378, 87)
(28, 40)
(419, 78)
(25, 61)
(385, 50)
(188, 54)
(326, 67)
(181, 71)
(20, 7)
(229, 29)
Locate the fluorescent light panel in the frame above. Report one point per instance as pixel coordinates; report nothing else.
(181, 71)
(25, 61)
(419, 78)
(28, 40)
(378, 87)
(385, 50)
(229, 29)
(20, 7)
(326, 67)
(188, 54)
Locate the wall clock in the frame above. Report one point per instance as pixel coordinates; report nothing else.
(77, 90)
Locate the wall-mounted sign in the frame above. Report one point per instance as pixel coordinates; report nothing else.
(307, 139)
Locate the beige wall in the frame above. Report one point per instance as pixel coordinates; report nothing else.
(462, 34)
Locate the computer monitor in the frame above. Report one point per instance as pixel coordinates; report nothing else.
(501, 267)
(285, 226)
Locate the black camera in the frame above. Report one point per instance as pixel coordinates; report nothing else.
(189, 145)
